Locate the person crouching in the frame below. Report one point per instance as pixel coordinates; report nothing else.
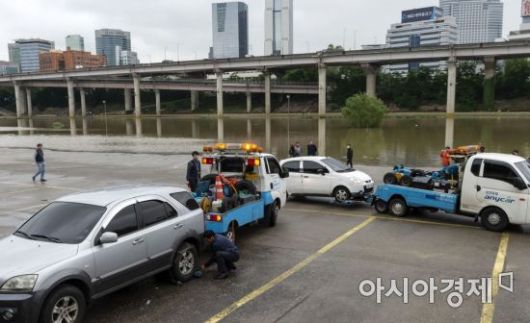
(224, 252)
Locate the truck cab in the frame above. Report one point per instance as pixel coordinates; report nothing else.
(496, 187)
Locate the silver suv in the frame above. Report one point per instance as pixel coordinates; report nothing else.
(86, 245)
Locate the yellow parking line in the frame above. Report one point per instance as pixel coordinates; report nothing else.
(274, 282)
(489, 309)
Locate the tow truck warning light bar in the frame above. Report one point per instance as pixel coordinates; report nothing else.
(247, 147)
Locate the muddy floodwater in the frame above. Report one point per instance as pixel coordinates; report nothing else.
(410, 141)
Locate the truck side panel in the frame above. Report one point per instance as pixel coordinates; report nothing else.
(418, 198)
(243, 215)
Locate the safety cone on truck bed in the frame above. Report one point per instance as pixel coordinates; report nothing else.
(219, 188)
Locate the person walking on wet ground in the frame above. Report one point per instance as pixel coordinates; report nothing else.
(39, 161)
(312, 149)
(224, 253)
(349, 156)
(193, 172)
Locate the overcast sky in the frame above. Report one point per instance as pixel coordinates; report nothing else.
(182, 28)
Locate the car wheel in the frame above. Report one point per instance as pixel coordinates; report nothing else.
(185, 263)
(494, 219)
(271, 215)
(381, 206)
(398, 207)
(65, 304)
(341, 194)
(406, 181)
(390, 178)
(231, 233)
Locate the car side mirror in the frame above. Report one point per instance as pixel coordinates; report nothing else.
(108, 237)
(321, 171)
(285, 173)
(519, 183)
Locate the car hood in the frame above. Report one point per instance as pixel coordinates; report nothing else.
(20, 256)
(358, 175)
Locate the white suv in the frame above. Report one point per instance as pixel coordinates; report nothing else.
(325, 176)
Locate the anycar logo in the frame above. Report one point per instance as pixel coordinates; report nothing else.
(496, 197)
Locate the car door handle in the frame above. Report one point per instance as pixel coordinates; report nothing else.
(478, 188)
(138, 241)
(305, 176)
(178, 226)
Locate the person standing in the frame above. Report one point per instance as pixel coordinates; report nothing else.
(312, 149)
(349, 156)
(297, 152)
(445, 157)
(291, 151)
(193, 172)
(224, 252)
(39, 161)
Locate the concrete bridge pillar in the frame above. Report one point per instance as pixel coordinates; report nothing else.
(249, 102)
(451, 86)
(19, 99)
(371, 79)
(219, 89)
(29, 103)
(82, 94)
(127, 98)
(322, 89)
(194, 100)
(157, 102)
(71, 98)
(137, 96)
(490, 66)
(267, 76)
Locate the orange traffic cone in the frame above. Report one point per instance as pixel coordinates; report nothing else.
(219, 188)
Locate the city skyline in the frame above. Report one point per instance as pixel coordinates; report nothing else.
(180, 35)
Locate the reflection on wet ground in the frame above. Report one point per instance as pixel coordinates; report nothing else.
(412, 141)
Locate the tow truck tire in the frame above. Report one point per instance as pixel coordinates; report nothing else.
(271, 214)
(390, 178)
(185, 263)
(398, 207)
(65, 298)
(381, 206)
(494, 219)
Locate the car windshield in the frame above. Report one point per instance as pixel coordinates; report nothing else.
(62, 222)
(337, 165)
(524, 167)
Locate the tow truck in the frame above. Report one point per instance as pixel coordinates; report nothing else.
(253, 189)
(494, 188)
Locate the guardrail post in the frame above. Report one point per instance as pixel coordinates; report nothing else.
(322, 89)
(82, 94)
(451, 86)
(137, 96)
(157, 102)
(219, 90)
(71, 97)
(29, 103)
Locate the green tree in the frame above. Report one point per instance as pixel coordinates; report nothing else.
(363, 111)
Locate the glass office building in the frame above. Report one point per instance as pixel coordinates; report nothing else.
(230, 29)
(27, 51)
(278, 27)
(75, 42)
(108, 39)
(479, 21)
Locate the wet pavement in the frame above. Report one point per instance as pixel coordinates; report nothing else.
(306, 269)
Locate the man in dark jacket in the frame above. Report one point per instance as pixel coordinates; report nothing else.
(193, 173)
(39, 161)
(349, 156)
(312, 149)
(224, 253)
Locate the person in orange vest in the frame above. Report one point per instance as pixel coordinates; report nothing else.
(445, 157)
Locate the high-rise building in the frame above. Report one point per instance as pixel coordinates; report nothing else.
(524, 31)
(127, 57)
(421, 27)
(278, 27)
(479, 21)
(108, 39)
(54, 61)
(8, 68)
(75, 42)
(14, 54)
(230, 29)
(28, 51)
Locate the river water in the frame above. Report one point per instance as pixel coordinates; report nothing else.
(410, 141)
